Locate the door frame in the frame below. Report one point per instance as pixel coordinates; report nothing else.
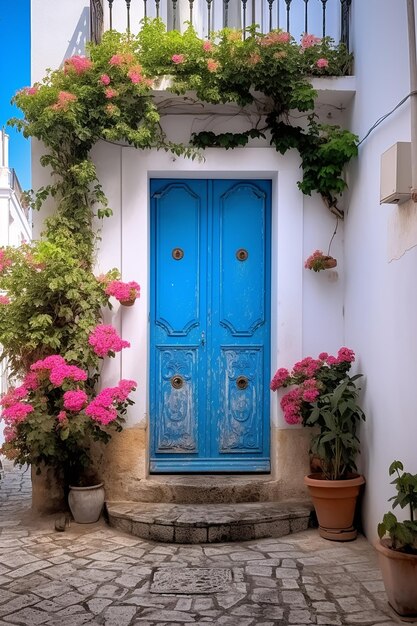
(235, 466)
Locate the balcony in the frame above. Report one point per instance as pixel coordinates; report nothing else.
(320, 17)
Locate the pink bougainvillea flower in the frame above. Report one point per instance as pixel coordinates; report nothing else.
(321, 63)
(345, 355)
(116, 59)
(307, 41)
(281, 376)
(77, 63)
(323, 356)
(59, 370)
(274, 38)
(123, 291)
(105, 79)
(30, 91)
(207, 46)
(62, 417)
(75, 400)
(178, 58)
(105, 340)
(17, 412)
(102, 408)
(13, 395)
(5, 300)
(64, 99)
(135, 76)
(212, 65)
(111, 93)
(4, 260)
(123, 389)
(30, 381)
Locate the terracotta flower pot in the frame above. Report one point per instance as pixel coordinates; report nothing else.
(130, 302)
(329, 262)
(399, 573)
(335, 504)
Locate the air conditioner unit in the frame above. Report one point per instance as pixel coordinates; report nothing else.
(396, 174)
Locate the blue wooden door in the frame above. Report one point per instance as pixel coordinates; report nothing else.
(210, 325)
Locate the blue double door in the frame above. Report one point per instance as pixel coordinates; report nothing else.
(210, 325)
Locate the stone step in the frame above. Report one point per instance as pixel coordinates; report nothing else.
(209, 523)
(206, 489)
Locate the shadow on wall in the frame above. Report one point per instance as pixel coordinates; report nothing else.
(80, 37)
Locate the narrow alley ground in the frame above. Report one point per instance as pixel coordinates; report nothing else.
(92, 574)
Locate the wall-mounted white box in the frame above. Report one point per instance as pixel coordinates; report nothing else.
(396, 174)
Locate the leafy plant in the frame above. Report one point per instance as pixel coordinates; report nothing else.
(403, 535)
(324, 396)
(108, 96)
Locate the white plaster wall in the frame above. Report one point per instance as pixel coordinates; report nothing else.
(381, 296)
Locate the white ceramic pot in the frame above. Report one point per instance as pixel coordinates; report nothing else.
(86, 503)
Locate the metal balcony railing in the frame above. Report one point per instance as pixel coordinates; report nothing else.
(320, 17)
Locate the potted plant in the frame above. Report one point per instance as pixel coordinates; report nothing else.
(125, 293)
(53, 417)
(324, 397)
(319, 261)
(397, 549)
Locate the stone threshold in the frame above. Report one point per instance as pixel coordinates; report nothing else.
(209, 523)
(206, 488)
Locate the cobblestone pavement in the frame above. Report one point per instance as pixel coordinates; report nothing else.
(93, 574)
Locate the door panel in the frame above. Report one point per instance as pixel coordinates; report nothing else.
(210, 329)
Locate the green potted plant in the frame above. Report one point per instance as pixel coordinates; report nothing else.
(323, 396)
(397, 549)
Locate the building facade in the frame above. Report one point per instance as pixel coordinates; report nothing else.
(15, 220)
(169, 228)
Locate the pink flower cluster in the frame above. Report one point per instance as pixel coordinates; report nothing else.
(178, 59)
(77, 63)
(309, 375)
(4, 260)
(30, 91)
(307, 41)
(123, 291)
(16, 413)
(75, 400)
(111, 93)
(105, 79)
(212, 65)
(122, 59)
(5, 300)
(281, 377)
(59, 370)
(207, 46)
(63, 101)
(135, 74)
(104, 340)
(322, 63)
(307, 367)
(274, 38)
(103, 408)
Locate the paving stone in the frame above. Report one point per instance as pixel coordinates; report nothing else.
(294, 598)
(166, 616)
(28, 616)
(97, 605)
(299, 617)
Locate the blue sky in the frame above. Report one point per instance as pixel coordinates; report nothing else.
(15, 74)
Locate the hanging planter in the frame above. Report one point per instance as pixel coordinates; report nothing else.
(319, 261)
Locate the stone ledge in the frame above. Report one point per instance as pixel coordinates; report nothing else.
(209, 523)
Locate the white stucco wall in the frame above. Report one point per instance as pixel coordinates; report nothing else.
(381, 296)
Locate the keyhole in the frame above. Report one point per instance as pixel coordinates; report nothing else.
(242, 254)
(177, 382)
(177, 254)
(242, 382)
